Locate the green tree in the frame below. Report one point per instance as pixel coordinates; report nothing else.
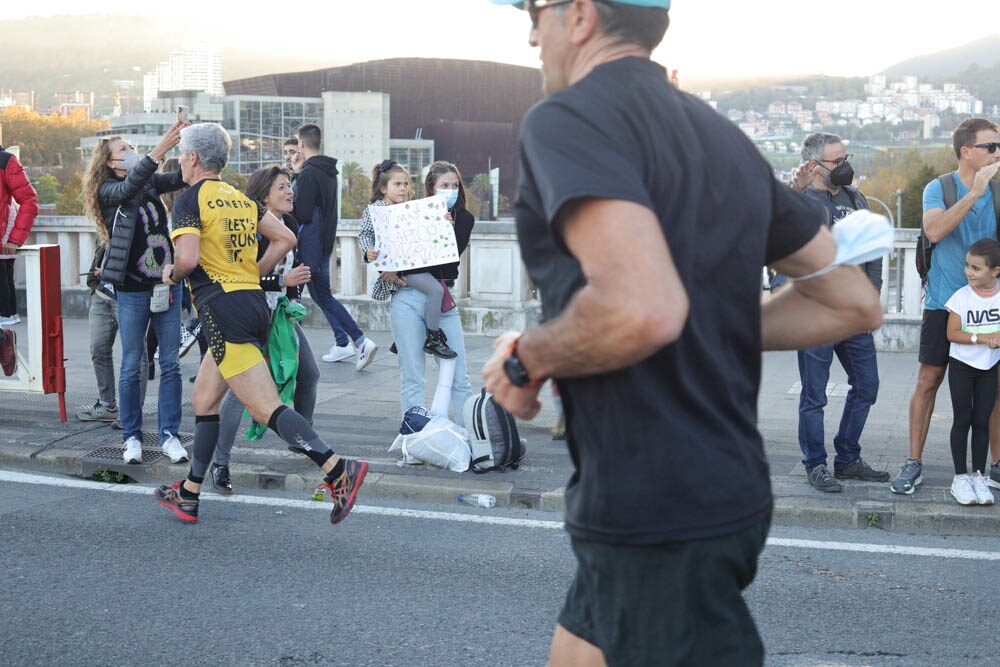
(357, 191)
(350, 172)
(503, 205)
(47, 188)
(70, 200)
(234, 178)
(483, 191)
(907, 170)
(913, 196)
(47, 141)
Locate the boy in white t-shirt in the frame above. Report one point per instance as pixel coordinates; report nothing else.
(974, 332)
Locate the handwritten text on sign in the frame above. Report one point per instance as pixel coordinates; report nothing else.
(413, 235)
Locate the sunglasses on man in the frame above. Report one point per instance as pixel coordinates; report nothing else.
(990, 146)
(535, 7)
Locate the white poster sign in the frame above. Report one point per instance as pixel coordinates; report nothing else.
(413, 235)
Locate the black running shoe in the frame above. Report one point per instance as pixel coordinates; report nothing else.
(344, 490)
(819, 478)
(221, 481)
(858, 469)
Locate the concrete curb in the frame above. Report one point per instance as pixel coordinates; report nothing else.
(379, 483)
(926, 512)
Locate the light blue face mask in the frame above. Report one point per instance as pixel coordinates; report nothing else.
(130, 160)
(861, 237)
(450, 196)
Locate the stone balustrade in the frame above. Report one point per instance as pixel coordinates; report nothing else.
(493, 290)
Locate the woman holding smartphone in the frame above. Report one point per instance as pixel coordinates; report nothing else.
(121, 192)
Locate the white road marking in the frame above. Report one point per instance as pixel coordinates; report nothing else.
(883, 549)
(24, 478)
(133, 489)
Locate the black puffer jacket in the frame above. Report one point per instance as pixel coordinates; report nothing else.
(119, 200)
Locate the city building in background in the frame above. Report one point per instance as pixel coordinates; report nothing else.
(196, 66)
(471, 111)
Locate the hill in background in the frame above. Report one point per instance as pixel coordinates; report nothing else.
(89, 53)
(985, 53)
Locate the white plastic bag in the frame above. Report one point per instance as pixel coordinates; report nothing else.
(441, 442)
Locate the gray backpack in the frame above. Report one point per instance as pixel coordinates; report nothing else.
(493, 435)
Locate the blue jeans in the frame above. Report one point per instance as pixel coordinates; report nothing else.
(857, 356)
(340, 320)
(409, 330)
(133, 319)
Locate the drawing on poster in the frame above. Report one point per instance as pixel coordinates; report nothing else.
(413, 235)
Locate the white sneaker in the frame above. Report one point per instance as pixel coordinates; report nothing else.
(963, 490)
(133, 450)
(10, 321)
(339, 353)
(173, 450)
(188, 339)
(366, 353)
(983, 494)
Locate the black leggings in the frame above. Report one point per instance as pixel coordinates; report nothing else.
(973, 392)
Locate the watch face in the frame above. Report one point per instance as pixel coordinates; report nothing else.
(515, 371)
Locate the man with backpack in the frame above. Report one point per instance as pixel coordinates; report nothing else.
(827, 178)
(956, 215)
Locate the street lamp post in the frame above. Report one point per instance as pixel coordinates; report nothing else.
(895, 256)
(888, 211)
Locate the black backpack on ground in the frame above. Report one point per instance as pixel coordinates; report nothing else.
(493, 435)
(950, 192)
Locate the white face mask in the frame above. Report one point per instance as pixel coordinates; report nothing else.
(129, 160)
(861, 237)
(450, 196)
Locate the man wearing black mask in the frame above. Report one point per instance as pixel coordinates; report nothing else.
(826, 175)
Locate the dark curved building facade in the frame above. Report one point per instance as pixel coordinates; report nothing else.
(471, 109)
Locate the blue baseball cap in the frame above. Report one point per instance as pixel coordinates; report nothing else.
(665, 4)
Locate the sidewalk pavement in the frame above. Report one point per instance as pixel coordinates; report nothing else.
(358, 413)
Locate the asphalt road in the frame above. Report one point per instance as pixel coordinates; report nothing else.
(100, 574)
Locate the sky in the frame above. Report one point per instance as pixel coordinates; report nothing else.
(707, 39)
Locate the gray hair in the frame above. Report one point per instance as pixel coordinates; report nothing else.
(210, 141)
(812, 147)
(632, 24)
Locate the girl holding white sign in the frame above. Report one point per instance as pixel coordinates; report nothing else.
(408, 308)
(391, 185)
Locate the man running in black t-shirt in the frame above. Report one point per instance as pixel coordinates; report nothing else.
(644, 218)
(215, 230)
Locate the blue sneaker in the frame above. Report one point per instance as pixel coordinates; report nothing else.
(908, 478)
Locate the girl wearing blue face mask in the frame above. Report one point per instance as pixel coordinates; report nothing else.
(391, 185)
(413, 312)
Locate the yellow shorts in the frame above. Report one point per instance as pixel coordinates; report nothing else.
(236, 325)
(236, 358)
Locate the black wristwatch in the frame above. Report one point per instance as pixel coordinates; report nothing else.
(516, 372)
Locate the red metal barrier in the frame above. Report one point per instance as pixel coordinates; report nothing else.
(53, 369)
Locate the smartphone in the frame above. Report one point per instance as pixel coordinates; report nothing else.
(182, 113)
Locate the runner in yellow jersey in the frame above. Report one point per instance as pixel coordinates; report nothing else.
(215, 228)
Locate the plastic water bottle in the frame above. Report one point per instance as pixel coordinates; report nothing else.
(478, 499)
(320, 492)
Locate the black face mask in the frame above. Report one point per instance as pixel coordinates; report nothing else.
(842, 175)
